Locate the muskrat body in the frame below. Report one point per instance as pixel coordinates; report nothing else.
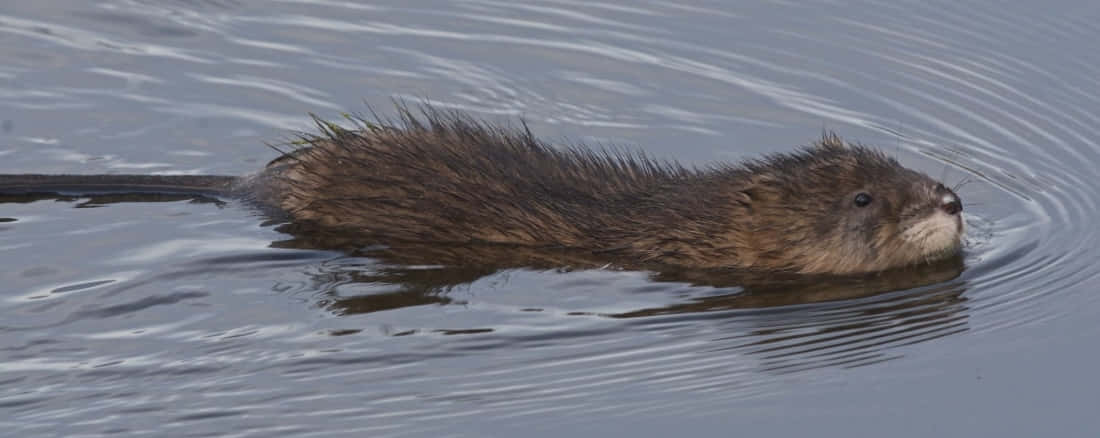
(447, 179)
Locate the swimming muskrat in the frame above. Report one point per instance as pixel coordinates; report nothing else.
(444, 178)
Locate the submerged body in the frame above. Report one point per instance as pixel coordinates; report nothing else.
(443, 178)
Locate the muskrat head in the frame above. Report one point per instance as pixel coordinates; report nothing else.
(841, 208)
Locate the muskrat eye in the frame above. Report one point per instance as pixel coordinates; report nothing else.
(862, 199)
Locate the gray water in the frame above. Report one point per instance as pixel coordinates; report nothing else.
(184, 318)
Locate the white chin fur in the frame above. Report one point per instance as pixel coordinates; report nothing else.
(935, 235)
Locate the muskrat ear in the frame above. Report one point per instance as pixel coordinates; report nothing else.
(743, 198)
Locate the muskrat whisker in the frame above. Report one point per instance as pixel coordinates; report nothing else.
(961, 184)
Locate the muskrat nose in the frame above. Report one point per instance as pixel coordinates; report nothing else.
(949, 201)
(952, 207)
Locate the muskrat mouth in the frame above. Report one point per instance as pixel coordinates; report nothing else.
(936, 235)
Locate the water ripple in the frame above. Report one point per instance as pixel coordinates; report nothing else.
(194, 318)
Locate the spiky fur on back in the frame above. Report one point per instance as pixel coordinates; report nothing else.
(445, 177)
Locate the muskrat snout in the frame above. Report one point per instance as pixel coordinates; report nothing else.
(949, 201)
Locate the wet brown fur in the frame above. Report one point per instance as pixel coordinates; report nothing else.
(444, 178)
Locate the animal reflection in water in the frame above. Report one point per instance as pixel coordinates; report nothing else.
(789, 321)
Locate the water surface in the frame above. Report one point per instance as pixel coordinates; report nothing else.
(179, 317)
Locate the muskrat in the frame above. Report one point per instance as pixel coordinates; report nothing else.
(445, 178)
